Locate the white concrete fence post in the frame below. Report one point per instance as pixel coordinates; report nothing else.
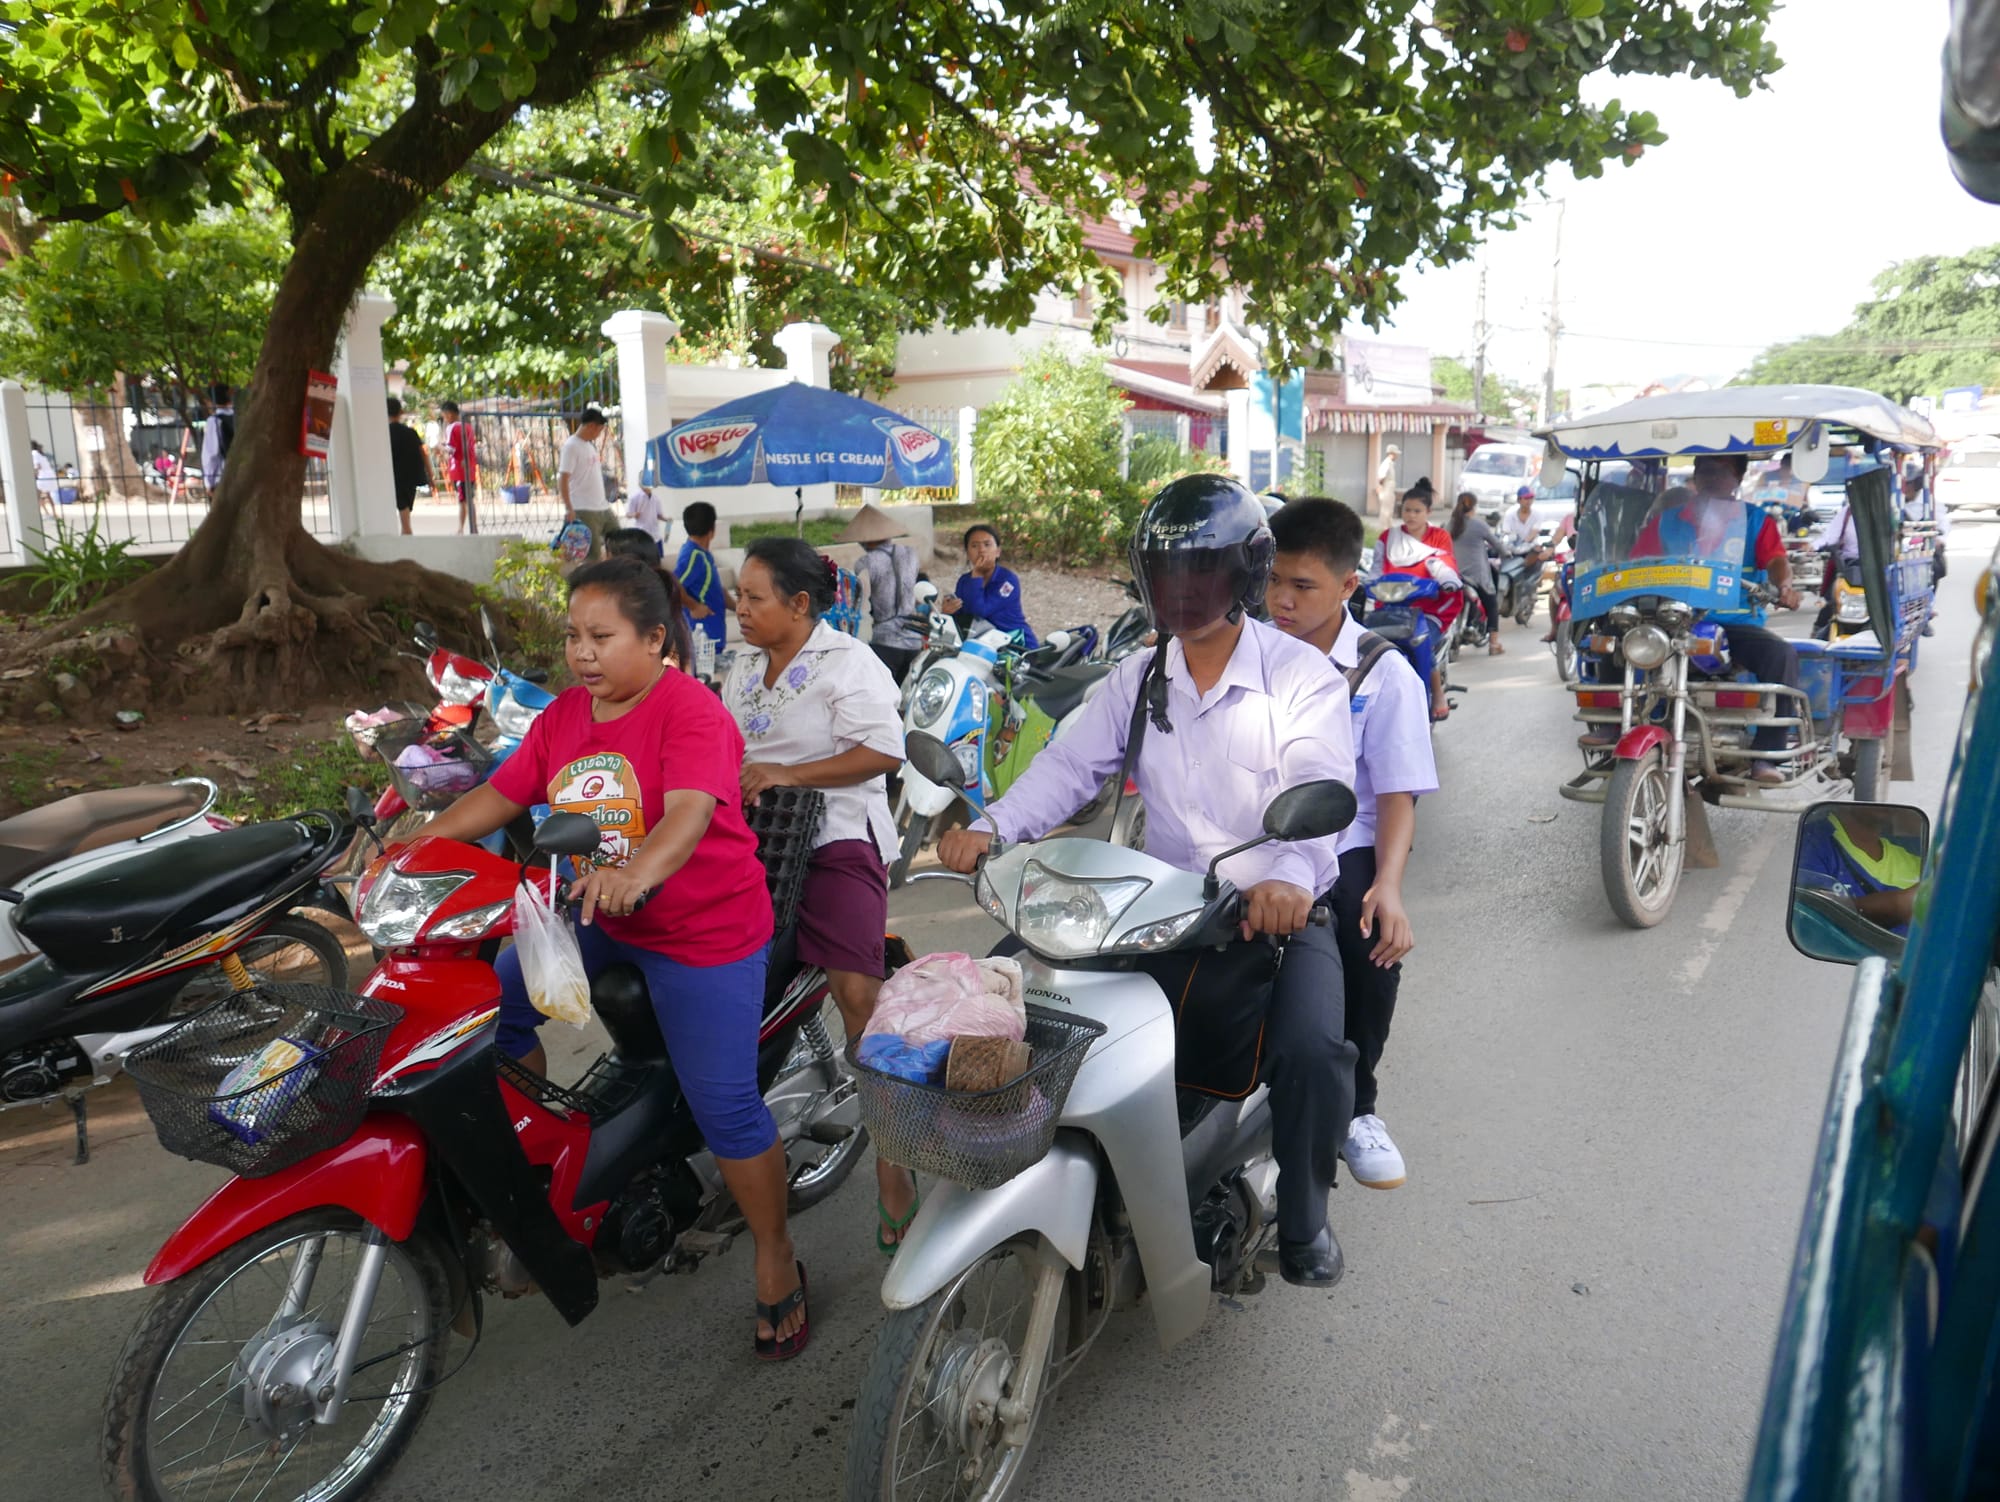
(968, 487)
(360, 476)
(807, 348)
(17, 469)
(641, 339)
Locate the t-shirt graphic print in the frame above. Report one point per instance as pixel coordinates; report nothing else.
(604, 788)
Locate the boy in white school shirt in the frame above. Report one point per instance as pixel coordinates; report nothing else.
(1312, 578)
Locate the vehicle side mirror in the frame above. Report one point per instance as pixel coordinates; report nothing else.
(424, 634)
(360, 807)
(486, 627)
(574, 835)
(933, 758)
(535, 675)
(1310, 811)
(1857, 880)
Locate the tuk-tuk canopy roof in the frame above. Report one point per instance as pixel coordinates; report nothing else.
(1736, 420)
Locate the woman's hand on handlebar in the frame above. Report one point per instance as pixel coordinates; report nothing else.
(1276, 907)
(613, 889)
(961, 849)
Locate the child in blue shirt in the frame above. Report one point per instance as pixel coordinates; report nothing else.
(985, 589)
(696, 570)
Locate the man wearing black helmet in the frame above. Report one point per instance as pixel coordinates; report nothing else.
(1228, 712)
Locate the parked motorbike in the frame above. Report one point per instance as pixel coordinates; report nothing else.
(412, 1170)
(1130, 631)
(1091, 1195)
(128, 948)
(72, 835)
(1563, 577)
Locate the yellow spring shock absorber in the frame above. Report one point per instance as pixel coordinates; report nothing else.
(239, 975)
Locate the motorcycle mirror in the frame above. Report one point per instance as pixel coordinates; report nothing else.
(933, 758)
(1828, 919)
(424, 634)
(574, 835)
(535, 675)
(1310, 811)
(360, 807)
(486, 626)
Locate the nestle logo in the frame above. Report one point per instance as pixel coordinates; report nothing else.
(703, 443)
(915, 444)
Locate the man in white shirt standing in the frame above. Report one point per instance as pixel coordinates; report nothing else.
(642, 510)
(1315, 573)
(580, 480)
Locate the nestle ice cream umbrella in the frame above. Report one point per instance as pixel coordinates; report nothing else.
(798, 435)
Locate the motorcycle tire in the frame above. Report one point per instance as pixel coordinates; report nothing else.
(129, 1466)
(1641, 866)
(914, 829)
(895, 1400)
(209, 984)
(819, 1183)
(1129, 828)
(1872, 764)
(1524, 603)
(1565, 647)
(1096, 805)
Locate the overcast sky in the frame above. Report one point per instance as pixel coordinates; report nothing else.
(1760, 219)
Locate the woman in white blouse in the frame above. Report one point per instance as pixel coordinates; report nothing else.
(818, 709)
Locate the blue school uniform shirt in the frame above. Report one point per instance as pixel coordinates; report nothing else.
(696, 570)
(998, 600)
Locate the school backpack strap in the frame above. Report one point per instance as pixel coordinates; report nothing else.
(1371, 649)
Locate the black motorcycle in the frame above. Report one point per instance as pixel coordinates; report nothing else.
(131, 948)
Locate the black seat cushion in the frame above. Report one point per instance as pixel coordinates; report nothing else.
(619, 996)
(1062, 690)
(41, 837)
(111, 917)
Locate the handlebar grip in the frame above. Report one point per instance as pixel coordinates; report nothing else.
(1320, 917)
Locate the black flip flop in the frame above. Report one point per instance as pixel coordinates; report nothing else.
(770, 1348)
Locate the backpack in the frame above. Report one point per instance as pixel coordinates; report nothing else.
(1371, 648)
(225, 432)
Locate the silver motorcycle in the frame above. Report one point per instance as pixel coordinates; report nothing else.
(997, 1293)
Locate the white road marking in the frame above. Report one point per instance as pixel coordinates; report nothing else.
(1721, 914)
(1392, 1443)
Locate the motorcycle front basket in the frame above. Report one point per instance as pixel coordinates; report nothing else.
(265, 1077)
(979, 1138)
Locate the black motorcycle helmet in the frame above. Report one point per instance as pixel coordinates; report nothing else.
(1202, 550)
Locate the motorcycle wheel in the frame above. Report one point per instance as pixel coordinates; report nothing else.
(1129, 828)
(926, 1411)
(1565, 645)
(913, 827)
(1642, 867)
(1524, 601)
(291, 951)
(1098, 804)
(817, 1169)
(168, 1378)
(1871, 767)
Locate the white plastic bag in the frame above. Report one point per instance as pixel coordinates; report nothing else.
(551, 964)
(944, 996)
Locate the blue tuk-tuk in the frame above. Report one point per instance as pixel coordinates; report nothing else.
(1668, 591)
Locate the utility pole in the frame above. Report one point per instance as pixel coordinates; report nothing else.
(1555, 320)
(1479, 349)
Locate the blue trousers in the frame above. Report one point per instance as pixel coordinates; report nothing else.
(709, 1016)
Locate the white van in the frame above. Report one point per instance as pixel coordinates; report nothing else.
(1969, 479)
(1497, 470)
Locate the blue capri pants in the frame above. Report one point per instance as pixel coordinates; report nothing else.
(709, 1016)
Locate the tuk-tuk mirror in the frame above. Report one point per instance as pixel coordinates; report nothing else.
(1857, 878)
(1811, 460)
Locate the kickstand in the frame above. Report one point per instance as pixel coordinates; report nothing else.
(76, 1109)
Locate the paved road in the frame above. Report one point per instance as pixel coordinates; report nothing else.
(1608, 1132)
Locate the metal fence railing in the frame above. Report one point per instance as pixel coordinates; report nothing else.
(134, 473)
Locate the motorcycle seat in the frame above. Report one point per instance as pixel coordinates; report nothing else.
(111, 917)
(44, 836)
(1061, 691)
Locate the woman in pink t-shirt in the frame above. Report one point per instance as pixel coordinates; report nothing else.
(654, 758)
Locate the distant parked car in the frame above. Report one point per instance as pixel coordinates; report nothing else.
(1496, 470)
(1970, 477)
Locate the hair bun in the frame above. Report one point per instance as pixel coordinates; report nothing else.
(832, 570)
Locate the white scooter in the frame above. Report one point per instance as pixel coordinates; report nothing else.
(996, 1293)
(72, 835)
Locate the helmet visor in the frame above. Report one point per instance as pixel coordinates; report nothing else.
(1186, 588)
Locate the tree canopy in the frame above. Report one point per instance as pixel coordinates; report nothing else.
(1933, 323)
(1504, 398)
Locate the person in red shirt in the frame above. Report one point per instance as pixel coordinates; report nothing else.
(461, 464)
(652, 756)
(1714, 523)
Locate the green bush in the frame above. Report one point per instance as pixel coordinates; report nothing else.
(1155, 459)
(530, 590)
(1047, 457)
(79, 568)
(821, 532)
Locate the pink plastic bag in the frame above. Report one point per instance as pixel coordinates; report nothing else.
(951, 996)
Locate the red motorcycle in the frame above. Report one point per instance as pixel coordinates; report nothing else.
(394, 1168)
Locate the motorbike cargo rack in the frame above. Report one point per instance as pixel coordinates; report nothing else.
(210, 1101)
(979, 1138)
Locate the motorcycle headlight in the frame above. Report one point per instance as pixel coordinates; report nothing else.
(511, 717)
(967, 753)
(1150, 938)
(1674, 614)
(1392, 591)
(1646, 646)
(393, 912)
(1068, 917)
(933, 694)
(1624, 617)
(473, 925)
(453, 687)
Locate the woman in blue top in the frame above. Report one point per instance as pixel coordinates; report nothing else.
(986, 590)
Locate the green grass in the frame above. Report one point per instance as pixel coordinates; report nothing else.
(29, 767)
(312, 775)
(821, 532)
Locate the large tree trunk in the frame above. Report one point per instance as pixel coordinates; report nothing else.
(105, 467)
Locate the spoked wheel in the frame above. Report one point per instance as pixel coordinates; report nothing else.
(1642, 863)
(929, 1426)
(815, 1088)
(292, 951)
(214, 1394)
(1566, 651)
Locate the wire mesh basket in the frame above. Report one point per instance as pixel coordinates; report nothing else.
(979, 1138)
(786, 822)
(264, 1077)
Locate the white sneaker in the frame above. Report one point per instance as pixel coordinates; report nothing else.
(1371, 1157)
